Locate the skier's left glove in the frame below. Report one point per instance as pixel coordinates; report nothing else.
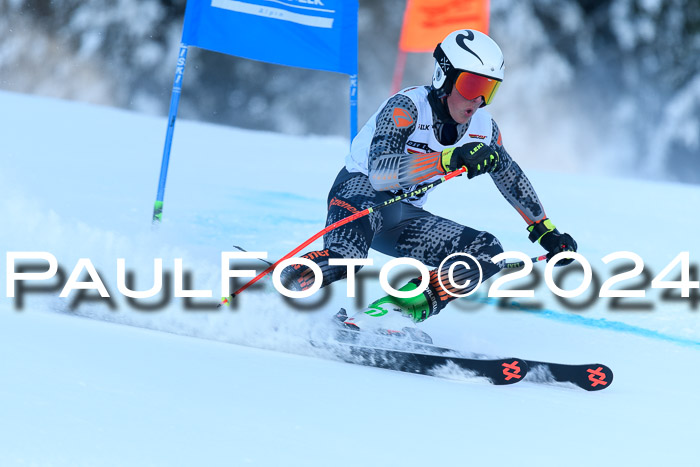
(552, 240)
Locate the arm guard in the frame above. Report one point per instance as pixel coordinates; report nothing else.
(389, 167)
(514, 185)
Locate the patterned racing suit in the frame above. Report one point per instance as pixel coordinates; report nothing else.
(397, 150)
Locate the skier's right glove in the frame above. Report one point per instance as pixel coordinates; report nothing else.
(478, 158)
(552, 240)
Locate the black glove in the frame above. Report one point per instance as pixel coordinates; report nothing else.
(478, 158)
(552, 240)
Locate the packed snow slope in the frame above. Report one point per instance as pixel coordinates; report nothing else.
(189, 384)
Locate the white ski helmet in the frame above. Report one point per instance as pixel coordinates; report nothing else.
(474, 52)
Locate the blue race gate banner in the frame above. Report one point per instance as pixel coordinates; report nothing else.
(316, 34)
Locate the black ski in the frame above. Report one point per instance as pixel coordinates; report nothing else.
(591, 377)
(497, 371)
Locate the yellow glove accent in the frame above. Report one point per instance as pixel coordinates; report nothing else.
(446, 158)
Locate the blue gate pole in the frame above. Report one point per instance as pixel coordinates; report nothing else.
(172, 114)
(353, 106)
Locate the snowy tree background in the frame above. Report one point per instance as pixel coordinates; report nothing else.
(605, 86)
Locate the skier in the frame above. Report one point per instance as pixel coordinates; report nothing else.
(417, 136)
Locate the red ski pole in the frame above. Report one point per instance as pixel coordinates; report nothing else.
(520, 264)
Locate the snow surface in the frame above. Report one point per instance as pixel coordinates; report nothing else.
(240, 386)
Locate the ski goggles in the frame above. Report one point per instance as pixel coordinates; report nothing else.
(470, 86)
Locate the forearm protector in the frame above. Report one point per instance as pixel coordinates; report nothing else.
(514, 185)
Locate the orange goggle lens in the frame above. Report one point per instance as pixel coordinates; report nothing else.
(471, 86)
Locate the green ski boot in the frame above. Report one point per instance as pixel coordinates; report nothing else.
(390, 315)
